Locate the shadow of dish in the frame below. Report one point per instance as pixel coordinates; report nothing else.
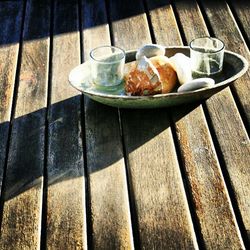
(47, 153)
(56, 150)
(104, 139)
(38, 149)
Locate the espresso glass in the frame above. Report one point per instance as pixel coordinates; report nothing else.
(207, 54)
(107, 66)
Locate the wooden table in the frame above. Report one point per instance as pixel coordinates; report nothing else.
(75, 174)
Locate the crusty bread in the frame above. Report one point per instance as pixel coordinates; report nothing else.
(137, 83)
(167, 74)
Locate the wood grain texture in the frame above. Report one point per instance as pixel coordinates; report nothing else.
(21, 223)
(158, 11)
(130, 20)
(222, 107)
(95, 28)
(159, 210)
(217, 14)
(235, 148)
(232, 137)
(212, 205)
(241, 9)
(162, 215)
(198, 153)
(66, 212)
(192, 13)
(10, 29)
(109, 203)
(159, 196)
(110, 212)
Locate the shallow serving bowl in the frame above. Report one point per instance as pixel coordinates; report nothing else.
(234, 66)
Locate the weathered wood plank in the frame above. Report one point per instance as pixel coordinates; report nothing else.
(209, 213)
(10, 28)
(157, 13)
(234, 145)
(232, 137)
(217, 14)
(155, 178)
(241, 9)
(21, 223)
(110, 214)
(129, 19)
(95, 27)
(66, 212)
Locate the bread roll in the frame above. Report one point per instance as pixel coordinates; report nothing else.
(167, 74)
(139, 81)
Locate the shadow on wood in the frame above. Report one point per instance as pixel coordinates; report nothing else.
(11, 16)
(64, 159)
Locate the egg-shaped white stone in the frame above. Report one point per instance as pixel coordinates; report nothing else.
(196, 84)
(150, 50)
(182, 66)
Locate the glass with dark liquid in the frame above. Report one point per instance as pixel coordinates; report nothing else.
(206, 55)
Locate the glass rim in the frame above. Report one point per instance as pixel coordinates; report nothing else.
(107, 46)
(212, 38)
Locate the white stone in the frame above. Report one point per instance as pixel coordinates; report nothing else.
(182, 66)
(196, 84)
(150, 50)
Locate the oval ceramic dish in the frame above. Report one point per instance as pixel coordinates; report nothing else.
(234, 66)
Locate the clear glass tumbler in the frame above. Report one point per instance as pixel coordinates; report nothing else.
(107, 66)
(207, 54)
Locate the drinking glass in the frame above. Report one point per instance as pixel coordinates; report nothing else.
(107, 66)
(206, 55)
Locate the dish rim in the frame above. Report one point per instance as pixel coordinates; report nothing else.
(111, 95)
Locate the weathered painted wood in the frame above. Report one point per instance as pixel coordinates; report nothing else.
(21, 223)
(220, 17)
(66, 212)
(10, 28)
(232, 137)
(154, 176)
(109, 203)
(225, 233)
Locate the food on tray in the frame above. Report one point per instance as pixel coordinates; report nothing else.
(150, 76)
(154, 73)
